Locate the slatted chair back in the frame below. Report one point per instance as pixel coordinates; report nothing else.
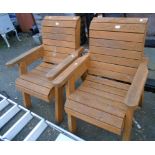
(61, 36)
(116, 47)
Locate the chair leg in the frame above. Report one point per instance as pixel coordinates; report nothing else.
(72, 123)
(58, 104)
(27, 100)
(128, 125)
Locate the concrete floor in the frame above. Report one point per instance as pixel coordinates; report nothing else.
(145, 116)
(150, 53)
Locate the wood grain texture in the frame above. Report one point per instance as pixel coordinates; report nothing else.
(58, 30)
(117, 44)
(116, 52)
(28, 57)
(115, 77)
(121, 20)
(132, 28)
(76, 69)
(63, 65)
(133, 37)
(136, 89)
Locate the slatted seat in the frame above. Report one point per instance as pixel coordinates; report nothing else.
(115, 73)
(102, 100)
(36, 83)
(61, 46)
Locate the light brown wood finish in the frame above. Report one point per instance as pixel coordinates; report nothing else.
(137, 86)
(72, 123)
(28, 57)
(26, 97)
(61, 42)
(59, 106)
(66, 62)
(76, 69)
(116, 76)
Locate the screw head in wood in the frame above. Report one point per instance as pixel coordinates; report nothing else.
(117, 26)
(72, 55)
(57, 23)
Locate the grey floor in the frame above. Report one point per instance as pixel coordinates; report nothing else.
(145, 116)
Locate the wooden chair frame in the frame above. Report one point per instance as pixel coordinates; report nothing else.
(131, 101)
(27, 58)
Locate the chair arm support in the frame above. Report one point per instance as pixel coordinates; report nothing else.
(28, 57)
(64, 64)
(76, 69)
(134, 93)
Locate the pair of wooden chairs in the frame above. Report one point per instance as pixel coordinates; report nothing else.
(114, 71)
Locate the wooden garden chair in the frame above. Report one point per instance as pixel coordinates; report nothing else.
(61, 46)
(116, 73)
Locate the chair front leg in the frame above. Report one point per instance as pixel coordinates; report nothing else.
(26, 100)
(26, 97)
(72, 123)
(128, 124)
(59, 104)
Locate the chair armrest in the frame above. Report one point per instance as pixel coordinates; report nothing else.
(64, 64)
(76, 69)
(137, 86)
(29, 56)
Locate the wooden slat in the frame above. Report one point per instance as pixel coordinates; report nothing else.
(75, 70)
(36, 94)
(102, 94)
(28, 57)
(95, 113)
(54, 60)
(135, 28)
(121, 20)
(70, 24)
(47, 65)
(33, 87)
(117, 36)
(63, 18)
(101, 103)
(36, 80)
(105, 88)
(111, 67)
(55, 54)
(115, 60)
(58, 30)
(64, 64)
(39, 73)
(93, 121)
(62, 37)
(42, 69)
(116, 52)
(117, 44)
(59, 43)
(137, 87)
(108, 82)
(58, 49)
(111, 74)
